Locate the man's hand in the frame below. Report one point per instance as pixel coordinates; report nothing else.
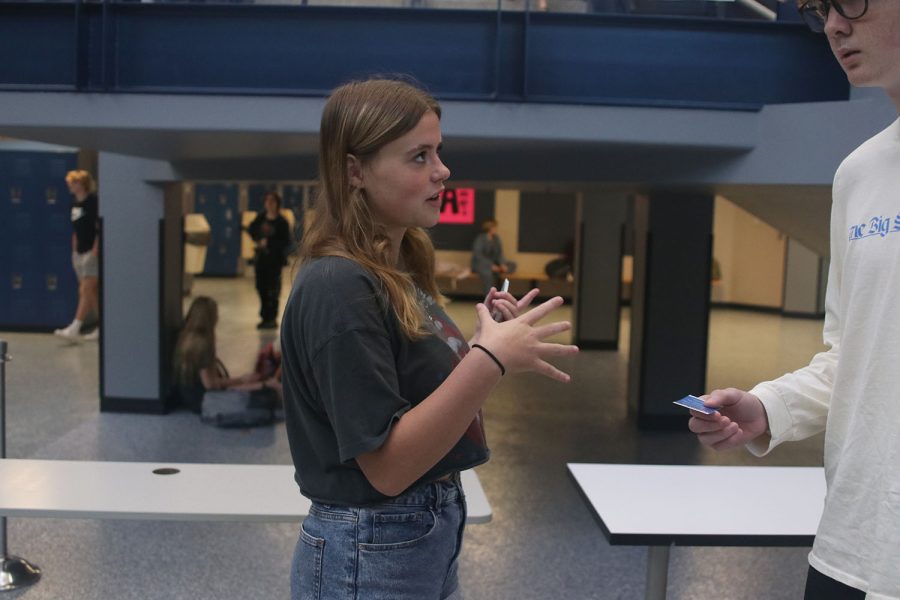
(741, 419)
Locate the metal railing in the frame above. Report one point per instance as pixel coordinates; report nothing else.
(718, 9)
(513, 52)
(15, 572)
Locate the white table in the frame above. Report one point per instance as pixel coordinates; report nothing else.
(663, 505)
(197, 492)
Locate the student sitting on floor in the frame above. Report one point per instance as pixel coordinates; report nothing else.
(196, 367)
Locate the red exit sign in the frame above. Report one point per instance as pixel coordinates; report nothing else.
(458, 206)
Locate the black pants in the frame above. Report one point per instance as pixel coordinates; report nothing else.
(822, 587)
(268, 286)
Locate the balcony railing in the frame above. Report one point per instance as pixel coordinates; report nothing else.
(510, 52)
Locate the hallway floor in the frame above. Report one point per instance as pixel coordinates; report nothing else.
(542, 544)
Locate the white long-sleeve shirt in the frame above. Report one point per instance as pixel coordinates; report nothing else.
(852, 390)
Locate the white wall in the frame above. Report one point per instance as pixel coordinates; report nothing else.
(751, 255)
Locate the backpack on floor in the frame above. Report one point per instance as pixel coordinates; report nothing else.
(239, 408)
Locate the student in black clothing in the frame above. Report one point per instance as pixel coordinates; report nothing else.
(272, 235)
(85, 252)
(383, 394)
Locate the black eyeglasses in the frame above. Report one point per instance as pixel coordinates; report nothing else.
(815, 12)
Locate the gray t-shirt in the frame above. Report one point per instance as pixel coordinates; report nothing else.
(349, 373)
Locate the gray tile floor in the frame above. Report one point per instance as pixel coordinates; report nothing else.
(542, 543)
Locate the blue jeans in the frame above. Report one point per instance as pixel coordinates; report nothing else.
(405, 548)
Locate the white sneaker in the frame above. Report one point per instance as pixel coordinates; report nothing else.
(69, 333)
(93, 335)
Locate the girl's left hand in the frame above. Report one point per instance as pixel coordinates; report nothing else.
(506, 305)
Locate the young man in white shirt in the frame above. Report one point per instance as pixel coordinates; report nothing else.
(852, 390)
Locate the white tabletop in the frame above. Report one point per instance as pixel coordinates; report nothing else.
(704, 505)
(198, 492)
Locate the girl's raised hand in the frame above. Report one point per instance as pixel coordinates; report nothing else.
(506, 304)
(518, 342)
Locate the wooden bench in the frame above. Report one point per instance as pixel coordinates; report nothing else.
(469, 286)
(660, 506)
(168, 491)
(520, 283)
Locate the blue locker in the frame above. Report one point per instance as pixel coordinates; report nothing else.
(22, 226)
(219, 204)
(59, 285)
(56, 203)
(5, 186)
(57, 281)
(58, 165)
(5, 277)
(37, 286)
(293, 196)
(5, 294)
(293, 199)
(23, 164)
(24, 286)
(18, 213)
(22, 222)
(59, 226)
(5, 233)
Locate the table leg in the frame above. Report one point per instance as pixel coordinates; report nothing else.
(657, 572)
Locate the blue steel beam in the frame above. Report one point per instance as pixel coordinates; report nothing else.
(299, 50)
(465, 55)
(39, 46)
(678, 62)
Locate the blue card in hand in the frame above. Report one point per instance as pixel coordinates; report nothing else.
(695, 403)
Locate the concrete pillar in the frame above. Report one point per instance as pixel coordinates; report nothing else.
(141, 258)
(670, 305)
(598, 269)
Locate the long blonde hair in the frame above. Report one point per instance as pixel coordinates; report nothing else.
(195, 349)
(360, 118)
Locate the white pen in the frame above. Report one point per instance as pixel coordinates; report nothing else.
(497, 315)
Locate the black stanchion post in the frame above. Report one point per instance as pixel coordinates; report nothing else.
(15, 572)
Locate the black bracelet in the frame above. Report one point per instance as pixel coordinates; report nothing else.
(493, 358)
